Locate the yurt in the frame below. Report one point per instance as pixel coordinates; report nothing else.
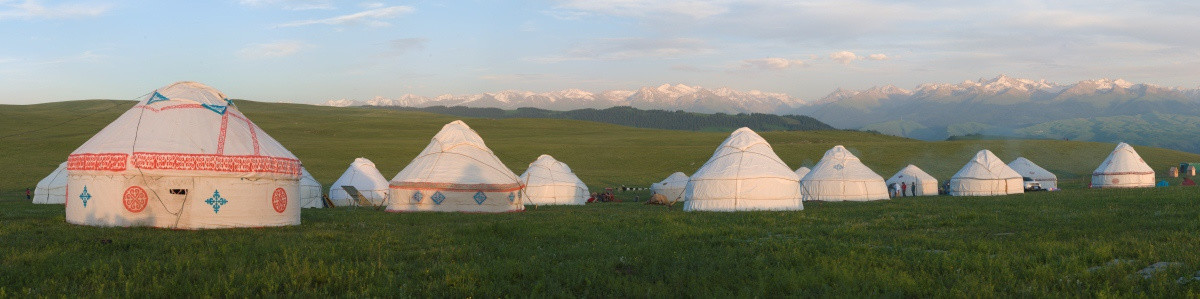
(841, 176)
(802, 171)
(985, 175)
(1124, 168)
(1026, 168)
(53, 188)
(743, 174)
(310, 191)
(550, 182)
(364, 177)
(183, 157)
(919, 183)
(671, 187)
(456, 173)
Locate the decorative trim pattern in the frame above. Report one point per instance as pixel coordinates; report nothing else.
(135, 199)
(109, 162)
(279, 200)
(221, 163)
(457, 187)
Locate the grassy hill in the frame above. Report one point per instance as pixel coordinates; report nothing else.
(653, 119)
(327, 139)
(1074, 243)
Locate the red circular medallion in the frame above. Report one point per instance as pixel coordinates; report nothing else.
(1116, 181)
(135, 199)
(279, 200)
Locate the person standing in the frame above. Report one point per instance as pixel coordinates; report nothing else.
(914, 188)
(903, 189)
(28, 196)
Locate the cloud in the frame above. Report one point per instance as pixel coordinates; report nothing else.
(404, 45)
(631, 48)
(878, 56)
(844, 57)
(689, 8)
(271, 50)
(373, 17)
(772, 63)
(292, 4)
(33, 9)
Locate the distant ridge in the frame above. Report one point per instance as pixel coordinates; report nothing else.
(655, 119)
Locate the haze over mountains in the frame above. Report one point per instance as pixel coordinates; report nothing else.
(1099, 110)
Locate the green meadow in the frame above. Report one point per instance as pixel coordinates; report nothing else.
(1077, 242)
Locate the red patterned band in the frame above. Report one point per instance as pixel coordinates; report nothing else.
(109, 162)
(173, 161)
(457, 187)
(1123, 173)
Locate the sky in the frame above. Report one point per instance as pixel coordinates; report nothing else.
(311, 51)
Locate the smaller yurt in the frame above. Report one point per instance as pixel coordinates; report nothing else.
(550, 182)
(802, 171)
(53, 188)
(456, 172)
(1123, 168)
(919, 183)
(1026, 168)
(310, 191)
(841, 176)
(365, 178)
(743, 174)
(985, 175)
(671, 187)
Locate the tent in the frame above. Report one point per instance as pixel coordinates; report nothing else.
(1123, 168)
(183, 157)
(840, 176)
(985, 175)
(456, 173)
(550, 182)
(743, 174)
(364, 177)
(919, 182)
(1026, 168)
(802, 171)
(53, 188)
(671, 187)
(310, 191)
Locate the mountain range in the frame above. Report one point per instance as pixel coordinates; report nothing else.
(1106, 110)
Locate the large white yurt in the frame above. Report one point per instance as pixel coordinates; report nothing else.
(919, 183)
(183, 157)
(53, 188)
(310, 191)
(802, 171)
(1028, 169)
(550, 182)
(456, 173)
(364, 177)
(985, 175)
(1123, 168)
(743, 174)
(841, 176)
(671, 187)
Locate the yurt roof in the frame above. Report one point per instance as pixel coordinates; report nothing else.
(1124, 160)
(744, 154)
(986, 166)
(1027, 168)
(911, 172)
(362, 174)
(456, 158)
(839, 164)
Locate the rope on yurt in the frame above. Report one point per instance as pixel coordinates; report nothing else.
(136, 131)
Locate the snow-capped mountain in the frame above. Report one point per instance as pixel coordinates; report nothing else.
(663, 97)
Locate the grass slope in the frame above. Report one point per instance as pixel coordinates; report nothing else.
(1078, 242)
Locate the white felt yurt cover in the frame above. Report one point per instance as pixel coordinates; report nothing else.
(551, 182)
(672, 187)
(743, 174)
(1123, 168)
(841, 176)
(183, 157)
(364, 177)
(53, 188)
(802, 171)
(310, 190)
(456, 173)
(985, 175)
(1027, 168)
(914, 177)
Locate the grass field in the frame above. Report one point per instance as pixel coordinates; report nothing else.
(1077, 242)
